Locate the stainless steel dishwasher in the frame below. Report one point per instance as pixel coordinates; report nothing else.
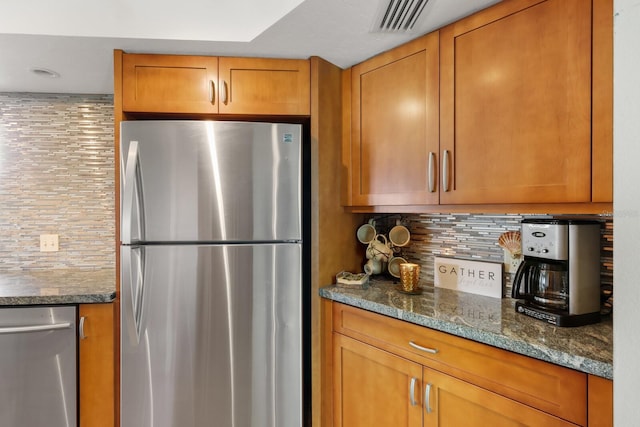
(38, 385)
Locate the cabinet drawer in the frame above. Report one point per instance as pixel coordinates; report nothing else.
(553, 389)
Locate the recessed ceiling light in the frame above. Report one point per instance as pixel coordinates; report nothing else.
(44, 72)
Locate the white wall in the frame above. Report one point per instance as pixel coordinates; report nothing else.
(626, 314)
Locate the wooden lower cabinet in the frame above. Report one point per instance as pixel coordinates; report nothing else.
(379, 378)
(450, 402)
(96, 366)
(373, 387)
(600, 402)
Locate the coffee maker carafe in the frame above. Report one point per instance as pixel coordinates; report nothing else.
(558, 280)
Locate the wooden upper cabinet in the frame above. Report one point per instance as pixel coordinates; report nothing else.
(394, 126)
(519, 115)
(215, 85)
(264, 86)
(602, 102)
(516, 104)
(169, 83)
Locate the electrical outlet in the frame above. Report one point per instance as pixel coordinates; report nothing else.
(48, 243)
(511, 263)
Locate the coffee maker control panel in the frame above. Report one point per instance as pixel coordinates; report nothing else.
(548, 241)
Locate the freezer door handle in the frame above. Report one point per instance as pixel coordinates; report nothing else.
(133, 289)
(130, 196)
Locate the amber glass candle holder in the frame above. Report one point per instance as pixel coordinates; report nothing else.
(409, 276)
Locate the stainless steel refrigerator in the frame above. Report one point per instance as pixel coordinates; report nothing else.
(211, 274)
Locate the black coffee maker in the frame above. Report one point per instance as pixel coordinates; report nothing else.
(559, 279)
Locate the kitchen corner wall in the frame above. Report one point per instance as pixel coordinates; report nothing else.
(56, 177)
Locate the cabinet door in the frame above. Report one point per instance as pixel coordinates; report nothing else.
(264, 86)
(516, 104)
(169, 83)
(600, 402)
(394, 126)
(450, 402)
(373, 387)
(96, 372)
(602, 102)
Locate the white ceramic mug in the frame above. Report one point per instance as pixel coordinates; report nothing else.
(394, 265)
(399, 235)
(379, 250)
(373, 266)
(366, 233)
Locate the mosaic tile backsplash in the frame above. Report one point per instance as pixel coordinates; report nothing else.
(475, 236)
(56, 177)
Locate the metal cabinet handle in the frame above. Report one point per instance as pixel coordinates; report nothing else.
(212, 92)
(81, 328)
(432, 171)
(224, 95)
(34, 328)
(421, 348)
(427, 398)
(412, 391)
(445, 170)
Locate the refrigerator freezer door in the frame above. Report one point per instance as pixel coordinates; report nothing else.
(218, 341)
(205, 181)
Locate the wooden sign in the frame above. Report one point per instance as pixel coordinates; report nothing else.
(476, 277)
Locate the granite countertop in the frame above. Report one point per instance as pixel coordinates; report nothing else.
(57, 286)
(491, 321)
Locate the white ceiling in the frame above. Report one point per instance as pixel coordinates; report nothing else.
(76, 38)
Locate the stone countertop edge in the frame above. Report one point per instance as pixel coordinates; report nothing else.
(57, 287)
(499, 325)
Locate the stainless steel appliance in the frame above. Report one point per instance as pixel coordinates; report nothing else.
(559, 278)
(38, 366)
(211, 274)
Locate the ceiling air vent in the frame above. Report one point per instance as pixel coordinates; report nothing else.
(398, 15)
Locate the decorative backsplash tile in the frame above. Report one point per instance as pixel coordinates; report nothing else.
(56, 177)
(475, 236)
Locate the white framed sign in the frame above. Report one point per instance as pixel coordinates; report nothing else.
(476, 277)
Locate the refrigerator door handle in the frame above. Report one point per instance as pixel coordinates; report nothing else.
(133, 289)
(130, 195)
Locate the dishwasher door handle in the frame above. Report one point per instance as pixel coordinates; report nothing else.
(34, 328)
